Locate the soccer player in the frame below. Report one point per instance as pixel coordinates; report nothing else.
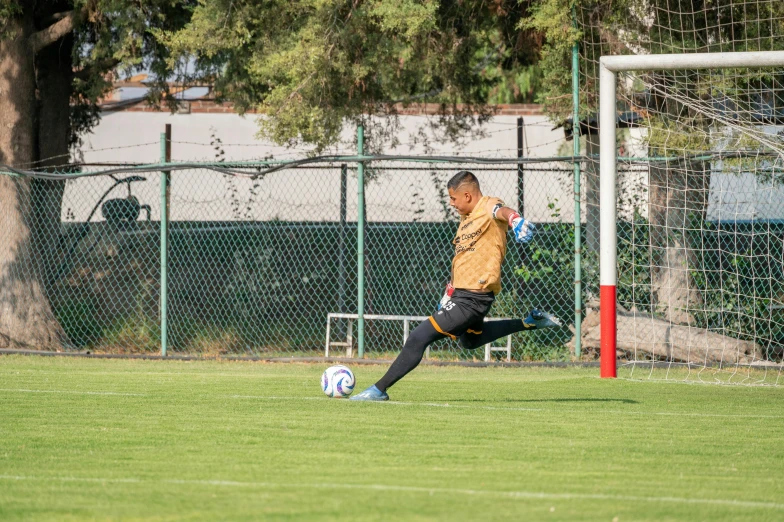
(480, 246)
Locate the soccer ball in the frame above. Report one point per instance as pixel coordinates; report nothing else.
(337, 381)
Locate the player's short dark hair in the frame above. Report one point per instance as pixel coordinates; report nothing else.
(463, 177)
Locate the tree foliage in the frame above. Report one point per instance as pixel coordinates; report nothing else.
(312, 66)
(103, 38)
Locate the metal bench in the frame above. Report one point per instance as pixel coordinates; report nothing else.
(349, 342)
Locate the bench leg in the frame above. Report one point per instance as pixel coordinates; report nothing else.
(509, 348)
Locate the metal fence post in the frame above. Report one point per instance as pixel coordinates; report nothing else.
(578, 299)
(165, 158)
(520, 170)
(521, 285)
(361, 244)
(342, 240)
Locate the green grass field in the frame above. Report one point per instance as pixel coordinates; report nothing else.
(84, 439)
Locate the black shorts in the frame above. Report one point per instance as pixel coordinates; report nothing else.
(464, 312)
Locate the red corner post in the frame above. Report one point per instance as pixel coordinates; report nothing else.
(608, 331)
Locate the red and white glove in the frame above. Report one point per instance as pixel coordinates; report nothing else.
(447, 295)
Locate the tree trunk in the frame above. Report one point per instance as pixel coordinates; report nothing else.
(591, 190)
(644, 337)
(54, 78)
(677, 205)
(26, 318)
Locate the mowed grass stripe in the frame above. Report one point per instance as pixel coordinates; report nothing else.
(202, 446)
(73, 392)
(498, 408)
(427, 490)
(416, 404)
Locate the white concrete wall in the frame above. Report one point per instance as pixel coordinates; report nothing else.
(743, 196)
(392, 195)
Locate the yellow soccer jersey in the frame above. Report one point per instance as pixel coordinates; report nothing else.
(480, 246)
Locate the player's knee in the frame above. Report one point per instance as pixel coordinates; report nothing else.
(420, 338)
(468, 341)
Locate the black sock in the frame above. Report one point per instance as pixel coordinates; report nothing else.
(411, 355)
(492, 330)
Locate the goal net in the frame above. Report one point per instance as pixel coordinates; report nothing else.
(692, 245)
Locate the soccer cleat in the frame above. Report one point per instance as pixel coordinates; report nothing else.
(371, 394)
(538, 319)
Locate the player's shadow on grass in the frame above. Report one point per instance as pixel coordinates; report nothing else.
(575, 399)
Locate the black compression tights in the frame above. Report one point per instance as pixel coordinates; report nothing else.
(491, 331)
(424, 334)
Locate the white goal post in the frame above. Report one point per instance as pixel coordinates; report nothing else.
(610, 66)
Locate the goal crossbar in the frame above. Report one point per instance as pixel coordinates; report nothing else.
(609, 66)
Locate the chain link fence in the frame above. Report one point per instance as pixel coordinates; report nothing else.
(257, 259)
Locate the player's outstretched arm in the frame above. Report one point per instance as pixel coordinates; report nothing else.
(522, 228)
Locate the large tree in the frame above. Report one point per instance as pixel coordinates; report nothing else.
(57, 58)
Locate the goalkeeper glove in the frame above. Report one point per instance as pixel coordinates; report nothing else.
(522, 228)
(447, 295)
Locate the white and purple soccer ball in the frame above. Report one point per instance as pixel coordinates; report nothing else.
(337, 381)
